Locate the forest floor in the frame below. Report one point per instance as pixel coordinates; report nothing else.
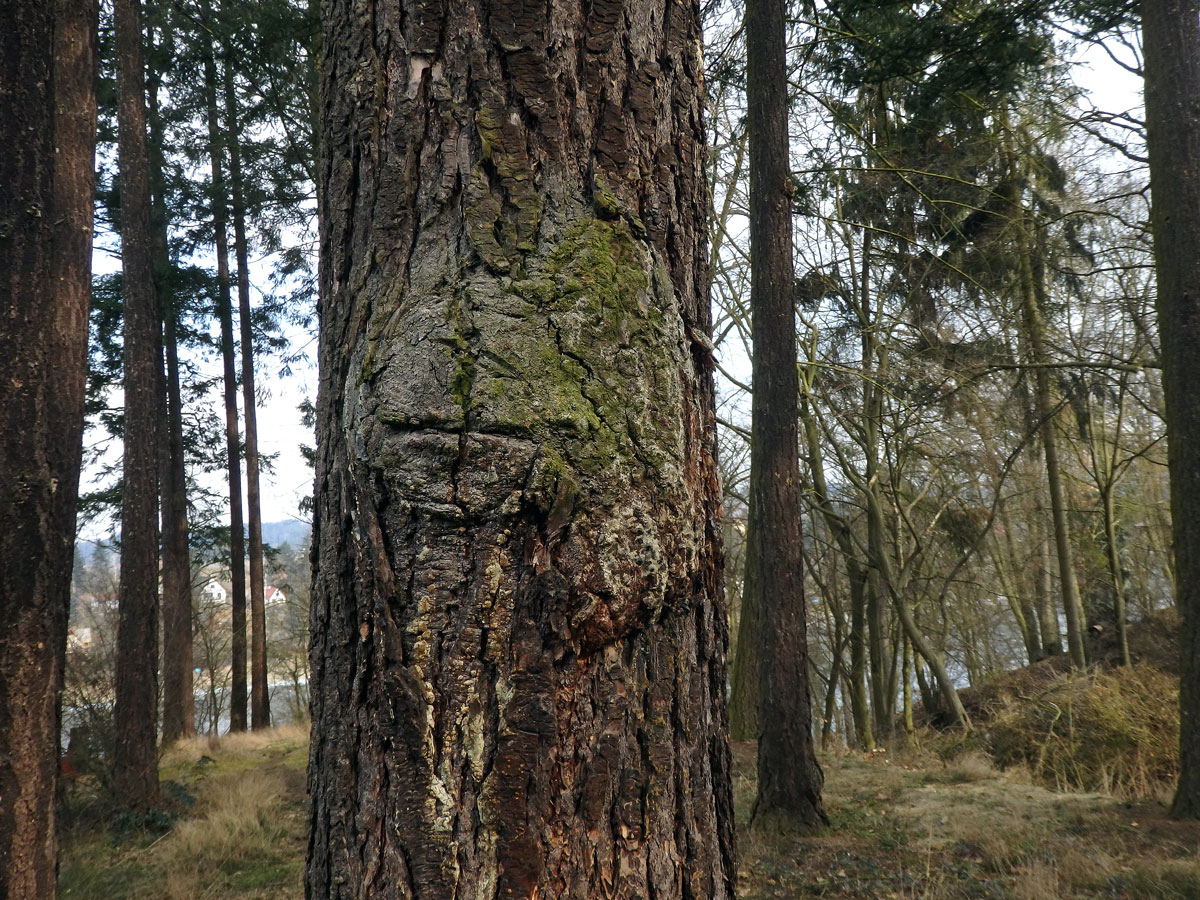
(914, 827)
(910, 827)
(237, 831)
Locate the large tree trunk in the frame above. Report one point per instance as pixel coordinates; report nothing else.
(789, 778)
(260, 701)
(1171, 37)
(237, 537)
(47, 95)
(518, 626)
(135, 714)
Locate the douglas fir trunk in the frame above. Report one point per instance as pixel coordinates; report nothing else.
(47, 97)
(1171, 36)
(518, 629)
(789, 778)
(135, 711)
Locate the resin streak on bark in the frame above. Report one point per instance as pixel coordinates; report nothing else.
(518, 627)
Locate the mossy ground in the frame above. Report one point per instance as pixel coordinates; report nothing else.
(905, 826)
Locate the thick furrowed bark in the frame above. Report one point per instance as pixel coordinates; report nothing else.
(518, 626)
(47, 84)
(1171, 36)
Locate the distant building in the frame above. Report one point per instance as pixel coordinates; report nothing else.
(214, 593)
(274, 595)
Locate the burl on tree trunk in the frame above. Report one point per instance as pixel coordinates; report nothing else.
(518, 628)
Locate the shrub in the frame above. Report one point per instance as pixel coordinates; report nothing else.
(1114, 731)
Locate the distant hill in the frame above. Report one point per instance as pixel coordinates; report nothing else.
(88, 549)
(293, 532)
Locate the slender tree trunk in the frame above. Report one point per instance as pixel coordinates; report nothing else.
(179, 712)
(744, 684)
(1114, 571)
(1035, 517)
(856, 579)
(1171, 38)
(929, 699)
(836, 669)
(1008, 562)
(872, 416)
(47, 95)
(910, 728)
(1032, 312)
(178, 703)
(789, 777)
(135, 715)
(911, 630)
(237, 547)
(260, 701)
(1047, 619)
(859, 704)
(893, 681)
(518, 624)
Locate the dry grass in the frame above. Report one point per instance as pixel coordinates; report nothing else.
(917, 828)
(1165, 880)
(1115, 732)
(247, 745)
(905, 827)
(970, 767)
(242, 838)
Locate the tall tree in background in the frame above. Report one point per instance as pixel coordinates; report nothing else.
(789, 778)
(135, 716)
(47, 97)
(178, 704)
(219, 206)
(1033, 296)
(518, 638)
(257, 47)
(260, 701)
(1171, 42)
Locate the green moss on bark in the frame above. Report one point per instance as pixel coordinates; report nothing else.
(577, 360)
